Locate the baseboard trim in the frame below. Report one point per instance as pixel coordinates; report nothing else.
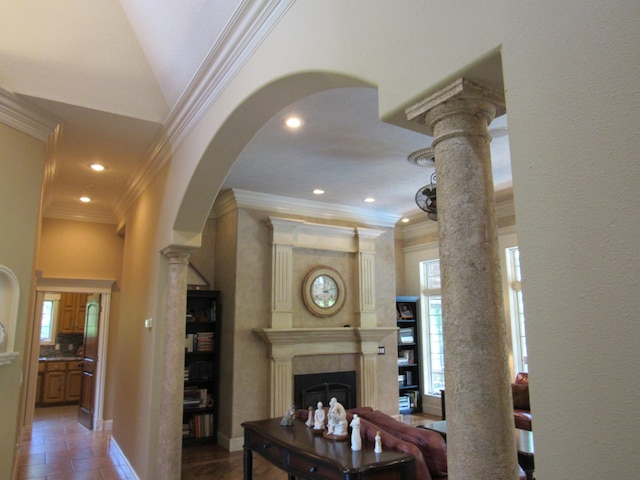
(230, 444)
(115, 445)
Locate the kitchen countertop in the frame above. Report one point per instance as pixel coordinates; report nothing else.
(68, 358)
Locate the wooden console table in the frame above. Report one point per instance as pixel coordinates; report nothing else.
(301, 454)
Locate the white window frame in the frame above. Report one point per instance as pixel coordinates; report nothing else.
(428, 388)
(55, 298)
(516, 309)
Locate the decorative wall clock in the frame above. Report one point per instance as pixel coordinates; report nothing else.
(323, 291)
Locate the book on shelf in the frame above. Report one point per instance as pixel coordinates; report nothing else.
(195, 397)
(199, 371)
(406, 357)
(405, 335)
(201, 315)
(199, 342)
(201, 426)
(408, 400)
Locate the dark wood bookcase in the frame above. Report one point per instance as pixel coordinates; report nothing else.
(201, 367)
(409, 370)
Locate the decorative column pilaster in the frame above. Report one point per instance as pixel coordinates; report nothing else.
(479, 406)
(366, 246)
(169, 459)
(281, 384)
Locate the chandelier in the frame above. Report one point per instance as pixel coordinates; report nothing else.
(426, 195)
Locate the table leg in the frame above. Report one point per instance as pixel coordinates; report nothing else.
(248, 464)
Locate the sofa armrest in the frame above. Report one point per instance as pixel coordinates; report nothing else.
(431, 444)
(390, 441)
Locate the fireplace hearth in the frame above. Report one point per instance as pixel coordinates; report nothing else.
(312, 388)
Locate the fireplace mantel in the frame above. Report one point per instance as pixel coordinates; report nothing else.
(319, 341)
(287, 343)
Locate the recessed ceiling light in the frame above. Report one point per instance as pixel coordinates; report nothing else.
(369, 199)
(85, 199)
(405, 220)
(98, 167)
(318, 191)
(293, 122)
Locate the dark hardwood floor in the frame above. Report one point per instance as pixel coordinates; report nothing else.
(62, 449)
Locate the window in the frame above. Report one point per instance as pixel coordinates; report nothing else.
(49, 317)
(432, 306)
(517, 310)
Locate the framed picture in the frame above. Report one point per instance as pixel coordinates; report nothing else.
(405, 311)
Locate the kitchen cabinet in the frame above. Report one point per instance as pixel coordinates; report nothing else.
(72, 312)
(40, 383)
(73, 382)
(62, 382)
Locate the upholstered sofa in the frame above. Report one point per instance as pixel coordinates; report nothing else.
(427, 446)
(521, 406)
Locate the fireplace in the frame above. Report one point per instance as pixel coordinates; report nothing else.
(312, 388)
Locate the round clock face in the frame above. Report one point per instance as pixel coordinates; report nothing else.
(323, 291)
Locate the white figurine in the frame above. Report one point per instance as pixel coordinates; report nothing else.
(309, 422)
(287, 420)
(378, 447)
(337, 424)
(318, 418)
(356, 439)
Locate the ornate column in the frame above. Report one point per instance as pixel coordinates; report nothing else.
(169, 459)
(479, 405)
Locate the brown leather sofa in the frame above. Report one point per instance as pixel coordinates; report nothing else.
(521, 406)
(427, 446)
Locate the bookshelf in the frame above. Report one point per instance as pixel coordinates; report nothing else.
(409, 371)
(201, 367)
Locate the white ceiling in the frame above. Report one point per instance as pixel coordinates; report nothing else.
(113, 71)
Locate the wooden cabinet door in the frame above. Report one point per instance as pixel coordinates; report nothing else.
(39, 388)
(54, 387)
(73, 386)
(67, 313)
(80, 312)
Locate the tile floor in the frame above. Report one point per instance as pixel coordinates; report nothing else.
(62, 449)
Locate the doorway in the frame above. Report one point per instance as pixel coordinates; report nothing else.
(62, 309)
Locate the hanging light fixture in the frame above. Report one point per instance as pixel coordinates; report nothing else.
(426, 195)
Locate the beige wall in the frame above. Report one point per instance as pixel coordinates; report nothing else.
(85, 250)
(71, 249)
(21, 169)
(571, 99)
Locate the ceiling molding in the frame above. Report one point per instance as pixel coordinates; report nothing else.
(231, 199)
(25, 117)
(247, 29)
(75, 214)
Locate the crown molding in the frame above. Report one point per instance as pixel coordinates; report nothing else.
(75, 214)
(247, 29)
(24, 117)
(231, 199)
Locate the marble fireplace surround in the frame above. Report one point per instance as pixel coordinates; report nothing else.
(286, 342)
